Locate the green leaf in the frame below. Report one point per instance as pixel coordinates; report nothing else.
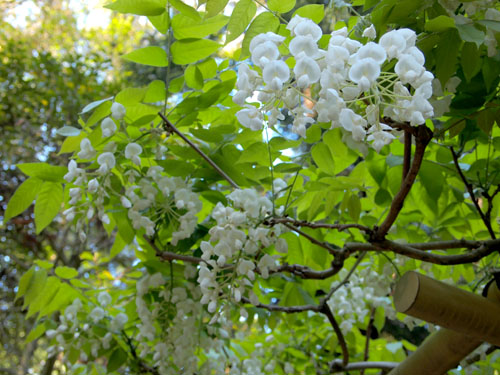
(485, 119)
(155, 92)
(241, 16)
(35, 333)
(130, 95)
(185, 9)
(323, 158)
(440, 23)
(43, 171)
(432, 179)
(23, 197)
(47, 205)
(446, 55)
(65, 295)
(125, 228)
(160, 22)
(139, 7)
(45, 296)
(66, 272)
(91, 106)
(315, 12)
(117, 359)
(264, 22)
(471, 63)
(189, 51)
(118, 245)
(491, 71)
(491, 24)
(214, 7)
(24, 282)
(383, 197)
(44, 264)
(68, 131)
(193, 77)
(36, 284)
(153, 56)
(354, 207)
(185, 27)
(469, 33)
(281, 6)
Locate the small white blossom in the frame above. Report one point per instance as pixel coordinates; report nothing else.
(118, 111)
(108, 127)
(250, 117)
(370, 32)
(86, 149)
(106, 161)
(132, 152)
(104, 299)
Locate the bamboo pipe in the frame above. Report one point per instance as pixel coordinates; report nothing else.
(448, 306)
(418, 296)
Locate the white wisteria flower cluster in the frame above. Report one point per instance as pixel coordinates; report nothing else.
(348, 84)
(366, 289)
(75, 328)
(148, 192)
(237, 243)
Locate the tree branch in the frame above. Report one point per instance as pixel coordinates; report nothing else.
(423, 135)
(406, 155)
(316, 225)
(469, 188)
(336, 366)
(171, 128)
(285, 309)
(484, 249)
(313, 240)
(369, 328)
(167, 255)
(325, 309)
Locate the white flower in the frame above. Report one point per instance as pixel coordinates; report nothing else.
(97, 314)
(380, 137)
(117, 111)
(86, 149)
(393, 42)
(75, 194)
(104, 299)
(125, 202)
(328, 108)
(119, 321)
(93, 185)
(304, 27)
(73, 171)
(306, 71)
(364, 72)
(266, 263)
(266, 37)
(274, 116)
(303, 44)
(250, 117)
(354, 123)
(132, 152)
(108, 127)
(372, 50)
(408, 69)
(246, 267)
(265, 53)
(275, 74)
(451, 85)
(336, 57)
(370, 32)
(106, 161)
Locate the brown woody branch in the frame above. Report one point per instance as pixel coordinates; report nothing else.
(423, 135)
(171, 128)
(325, 309)
(316, 225)
(285, 309)
(336, 366)
(483, 249)
(470, 189)
(406, 155)
(313, 240)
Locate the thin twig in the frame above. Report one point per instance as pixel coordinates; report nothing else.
(285, 309)
(336, 366)
(346, 278)
(316, 225)
(369, 328)
(325, 309)
(313, 240)
(169, 256)
(306, 272)
(423, 135)
(170, 127)
(469, 188)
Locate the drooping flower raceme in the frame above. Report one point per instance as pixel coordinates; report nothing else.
(347, 77)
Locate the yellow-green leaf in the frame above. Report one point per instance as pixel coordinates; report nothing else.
(23, 197)
(153, 56)
(189, 51)
(48, 203)
(242, 15)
